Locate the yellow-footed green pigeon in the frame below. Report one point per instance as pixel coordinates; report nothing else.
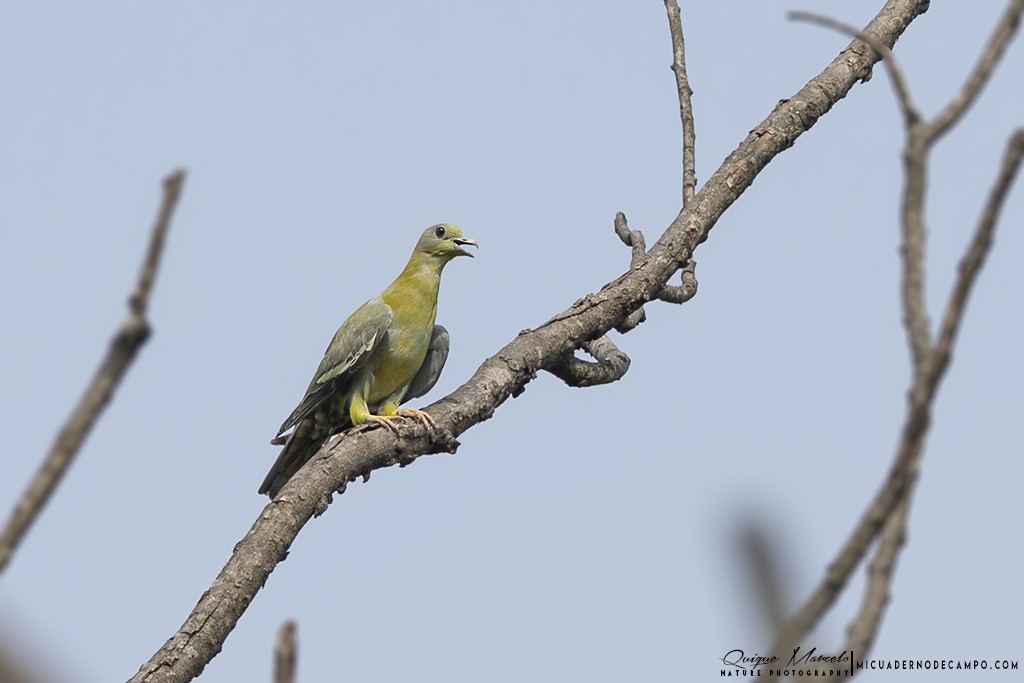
(389, 351)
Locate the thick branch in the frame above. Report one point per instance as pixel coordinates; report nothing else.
(125, 345)
(359, 451)
(896, 75)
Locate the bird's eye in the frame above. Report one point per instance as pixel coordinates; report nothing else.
(439, 231)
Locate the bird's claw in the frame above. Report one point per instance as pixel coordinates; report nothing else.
(389, 420)
(384, 421)
(425, 419)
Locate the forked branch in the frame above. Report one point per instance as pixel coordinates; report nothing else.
(886, 516)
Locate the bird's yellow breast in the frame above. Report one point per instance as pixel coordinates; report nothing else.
(413, 301)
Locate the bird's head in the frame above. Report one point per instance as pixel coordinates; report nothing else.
(444, 241)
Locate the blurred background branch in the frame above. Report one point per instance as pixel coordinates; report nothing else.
(285, 653)
(886, 516)
(124, 347)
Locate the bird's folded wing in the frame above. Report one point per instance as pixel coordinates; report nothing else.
(348, 351)
(428, 374)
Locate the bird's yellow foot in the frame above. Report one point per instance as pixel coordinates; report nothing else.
(423, 417)
(384, 420)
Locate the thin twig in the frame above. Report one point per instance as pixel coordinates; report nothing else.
(678, 294)
(864, 628)
(974, 258)
(996, 46)
(611, 365)
(125, 345)
(675, 25)
(635, 240)
(572, 370)
(285, 654)
(681, 293)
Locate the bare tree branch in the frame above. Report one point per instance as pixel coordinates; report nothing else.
(125, 345)
(611, 365)
(974, 259)
(672, 294)
(864, 628)
(1004, 33)
(675, 25)
(681, 293)
(887, 513)
(285, 654)
(914, 231)
(899, 80)
(359, 451)
(915, 162)
(634, 239)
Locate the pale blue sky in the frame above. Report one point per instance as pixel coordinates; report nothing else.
(580, 534)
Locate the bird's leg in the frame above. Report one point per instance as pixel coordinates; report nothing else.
(390, 410)
(390, 413)
(359, 413)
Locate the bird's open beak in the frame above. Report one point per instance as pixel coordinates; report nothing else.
(463, 241)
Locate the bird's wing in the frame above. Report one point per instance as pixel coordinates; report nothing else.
(428, 374)
(348, 351)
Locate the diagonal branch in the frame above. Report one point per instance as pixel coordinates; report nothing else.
(996, 46)
(359, 451)
(123, 348)
(974, 258)
(915, 159)
(864, 628)
(896, 75)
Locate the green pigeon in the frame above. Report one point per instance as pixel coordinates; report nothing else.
(387, 352)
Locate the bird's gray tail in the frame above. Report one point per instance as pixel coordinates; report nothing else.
(298, 448)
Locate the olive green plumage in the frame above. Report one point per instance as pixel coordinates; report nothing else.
(387, 352)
